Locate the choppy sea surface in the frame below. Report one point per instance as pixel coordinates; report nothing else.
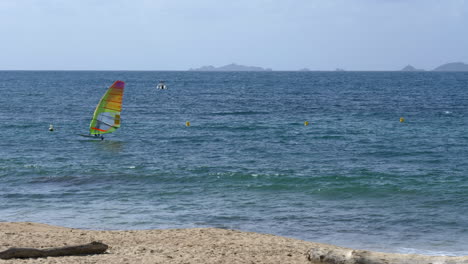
(355, 176)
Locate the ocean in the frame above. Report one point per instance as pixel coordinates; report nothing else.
(355, 176)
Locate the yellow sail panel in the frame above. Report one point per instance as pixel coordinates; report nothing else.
(106, 118)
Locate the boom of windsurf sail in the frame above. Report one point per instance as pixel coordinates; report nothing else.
(106, 118)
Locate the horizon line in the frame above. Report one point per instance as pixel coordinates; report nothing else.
(120, 70)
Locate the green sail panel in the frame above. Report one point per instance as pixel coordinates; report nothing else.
(106, 118)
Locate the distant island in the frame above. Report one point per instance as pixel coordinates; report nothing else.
(448, 67)
(453, 66)
(410, 68)
(230, 67)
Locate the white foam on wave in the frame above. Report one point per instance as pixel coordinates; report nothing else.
(404, 250)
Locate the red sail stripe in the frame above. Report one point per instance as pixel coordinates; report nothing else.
(118, 102)
(99, 129)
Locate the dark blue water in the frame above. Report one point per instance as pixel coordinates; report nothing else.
(355, 176)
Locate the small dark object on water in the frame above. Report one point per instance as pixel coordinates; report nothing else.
(86, 249)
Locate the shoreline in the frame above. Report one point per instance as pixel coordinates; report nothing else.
(194, 245)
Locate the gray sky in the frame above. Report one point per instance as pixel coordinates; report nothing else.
(278, 34)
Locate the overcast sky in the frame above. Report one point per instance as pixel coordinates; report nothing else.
(277, 34)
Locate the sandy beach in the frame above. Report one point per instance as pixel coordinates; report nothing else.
(198, 245)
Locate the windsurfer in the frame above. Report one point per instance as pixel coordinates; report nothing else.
(106, 117)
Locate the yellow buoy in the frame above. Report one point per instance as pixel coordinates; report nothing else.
(402, 120)
(306, 123)
(187, 123)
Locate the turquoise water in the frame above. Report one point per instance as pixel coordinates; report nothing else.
(355, 176)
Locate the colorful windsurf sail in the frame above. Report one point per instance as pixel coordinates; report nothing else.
(106, 118)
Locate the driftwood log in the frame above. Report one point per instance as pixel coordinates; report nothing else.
(86, 249)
